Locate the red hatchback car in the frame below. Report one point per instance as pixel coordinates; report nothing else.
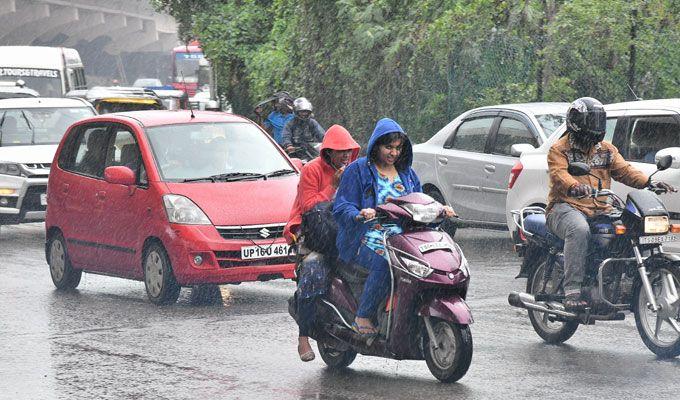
(170, 198)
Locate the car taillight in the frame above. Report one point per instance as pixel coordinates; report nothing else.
(514, 173)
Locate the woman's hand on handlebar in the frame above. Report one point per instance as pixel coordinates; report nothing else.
(448, 212)
(366, 214)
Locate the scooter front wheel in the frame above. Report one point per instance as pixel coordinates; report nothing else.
(335, 359)
(450, 358)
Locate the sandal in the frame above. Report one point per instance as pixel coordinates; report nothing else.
(364, 329)
(306, 356)
(574, 302)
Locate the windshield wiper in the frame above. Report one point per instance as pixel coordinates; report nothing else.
(238, 176)
(280, 172)
(206, 178)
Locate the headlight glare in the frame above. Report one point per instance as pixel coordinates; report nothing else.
(657, 224)
(181, 210)
(10, 169)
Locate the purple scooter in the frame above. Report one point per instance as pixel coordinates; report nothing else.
(425, 315)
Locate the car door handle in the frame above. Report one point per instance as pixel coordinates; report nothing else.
(64, 187)
(443, 160)
(490, 168)
(101, 195)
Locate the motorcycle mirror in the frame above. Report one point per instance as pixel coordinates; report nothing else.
(664, 162)
(578, 169)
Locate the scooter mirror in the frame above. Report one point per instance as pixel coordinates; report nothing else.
(578, 169)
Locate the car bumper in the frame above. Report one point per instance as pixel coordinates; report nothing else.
(23, 205)
(221, 258)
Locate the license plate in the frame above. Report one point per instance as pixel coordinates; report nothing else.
(435, 246)
(43, 199)
(659, 239)
(264, 251)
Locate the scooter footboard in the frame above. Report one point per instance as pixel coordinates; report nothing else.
(450, 307)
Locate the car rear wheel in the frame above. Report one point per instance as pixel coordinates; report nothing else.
(63, 275)
(447, 226)
(161, 286)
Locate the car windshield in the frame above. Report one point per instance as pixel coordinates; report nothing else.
(203, 150)
(550, 122)
(38, 125)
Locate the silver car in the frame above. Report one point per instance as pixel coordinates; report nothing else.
(467, 163)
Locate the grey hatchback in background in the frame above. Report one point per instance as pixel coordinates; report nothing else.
(467, 163)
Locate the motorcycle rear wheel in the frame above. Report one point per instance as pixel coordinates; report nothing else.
(451, 359)
(665, 343)
(335, 359)
(555, 332)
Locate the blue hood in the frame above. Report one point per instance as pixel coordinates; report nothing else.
(384, 127)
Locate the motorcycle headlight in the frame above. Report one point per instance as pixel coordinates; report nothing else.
(10, 169)
(425, 213)
(181, 210)
(417, 268)
(657, 224)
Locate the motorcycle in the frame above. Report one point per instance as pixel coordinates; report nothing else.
(627, 268)
(305, 151)
(424, 317)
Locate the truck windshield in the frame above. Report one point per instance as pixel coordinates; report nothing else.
(47, 86)
(38, 125)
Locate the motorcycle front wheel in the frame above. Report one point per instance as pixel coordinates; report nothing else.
(450, 359)
(553, 332)
(660, 330)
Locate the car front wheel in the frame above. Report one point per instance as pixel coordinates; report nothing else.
(161, 286)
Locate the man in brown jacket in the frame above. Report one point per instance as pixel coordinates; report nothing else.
(569, 205)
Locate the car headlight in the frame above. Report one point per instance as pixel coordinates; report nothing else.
(10, 169)
(417, 268)
(656, 224)
(425, 213)
(181, 210)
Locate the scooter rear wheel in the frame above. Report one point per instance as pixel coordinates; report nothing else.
(553, 332)
(335, 359)
(451, 359)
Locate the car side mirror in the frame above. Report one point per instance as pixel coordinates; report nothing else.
(298, 163)
(578, 169)
(516, 150)
(120, 175)
(668, 158)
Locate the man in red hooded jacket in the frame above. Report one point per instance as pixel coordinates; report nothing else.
(318, 182)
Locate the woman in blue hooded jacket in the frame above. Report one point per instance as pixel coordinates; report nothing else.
(366, 183)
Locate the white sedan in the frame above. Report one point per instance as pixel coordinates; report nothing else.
(467, 163)
(638, 129)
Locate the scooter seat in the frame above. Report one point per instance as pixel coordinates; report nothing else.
(536, 224)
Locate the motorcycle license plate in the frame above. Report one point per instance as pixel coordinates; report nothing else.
(43, 199)
(659, 239)
(265, 251)
(425, 247)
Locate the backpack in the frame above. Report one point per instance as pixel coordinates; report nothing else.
(320, 229)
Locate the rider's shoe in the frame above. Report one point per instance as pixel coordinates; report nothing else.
(574, 302)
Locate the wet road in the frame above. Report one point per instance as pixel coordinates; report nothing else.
(106, 341)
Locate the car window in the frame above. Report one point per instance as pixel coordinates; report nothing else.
(550, 122)
(471, 135)
(649, 134)
(610, 129)
(90, 151)
(512, 131)
(124, 151)
(14, 129)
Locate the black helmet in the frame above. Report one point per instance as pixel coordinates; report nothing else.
(587, 120)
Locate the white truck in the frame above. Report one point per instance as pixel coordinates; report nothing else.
(51, 71)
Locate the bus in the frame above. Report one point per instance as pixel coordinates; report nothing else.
(51, 71)
(185, 66)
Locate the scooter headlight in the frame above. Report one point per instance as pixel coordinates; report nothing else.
(464, 265)
(416, 268)
(658, 224)
(425, 213)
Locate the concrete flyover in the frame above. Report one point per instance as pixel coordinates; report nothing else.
(130, 26)
(118, 40)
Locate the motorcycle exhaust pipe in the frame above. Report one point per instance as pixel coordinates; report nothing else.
(527, 301)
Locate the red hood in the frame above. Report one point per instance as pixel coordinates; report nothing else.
(242, 203)
(338, 138)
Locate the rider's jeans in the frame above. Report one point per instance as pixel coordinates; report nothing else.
(377, 284)
(571, 225)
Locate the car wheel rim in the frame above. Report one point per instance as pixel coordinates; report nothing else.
(153, 273)
(444, 355)
(661, 327)
(57, 260)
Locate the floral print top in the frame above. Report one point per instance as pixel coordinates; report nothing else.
(373, 239)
